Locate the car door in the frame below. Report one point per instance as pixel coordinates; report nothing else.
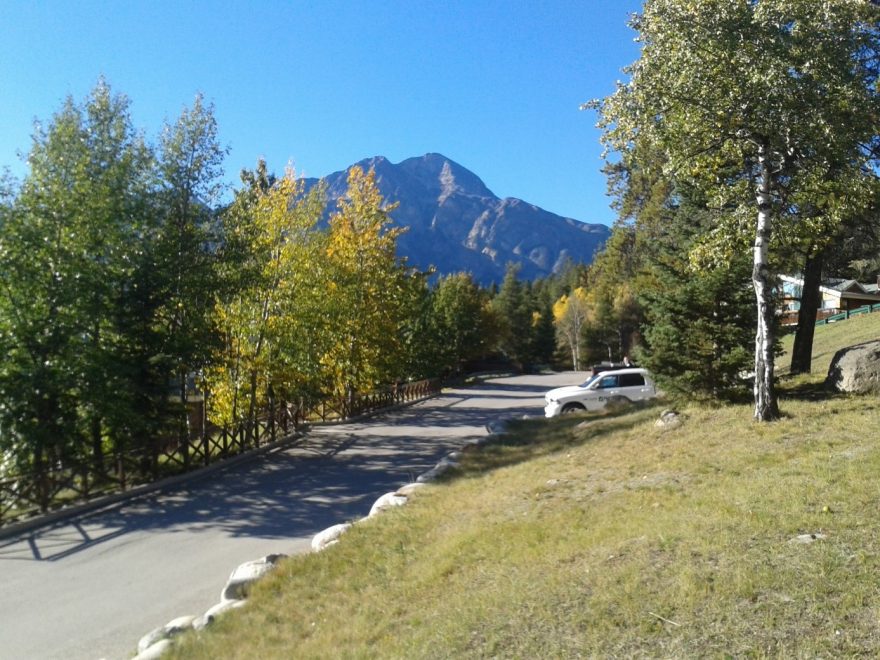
(634, 387)
(606, 388)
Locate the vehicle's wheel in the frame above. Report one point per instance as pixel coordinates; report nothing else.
(569, 408)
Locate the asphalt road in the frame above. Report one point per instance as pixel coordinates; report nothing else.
(91, 586)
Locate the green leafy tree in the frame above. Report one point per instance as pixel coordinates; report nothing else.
(271, 229)
(367, 291)
(614, 315)
(570, 315)
(460, 322)
(66, 250)
(184, 263)
(765, 106)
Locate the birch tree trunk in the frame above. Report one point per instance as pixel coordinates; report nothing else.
(766, 407)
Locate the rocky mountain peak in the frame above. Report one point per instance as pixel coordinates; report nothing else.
(455, 223)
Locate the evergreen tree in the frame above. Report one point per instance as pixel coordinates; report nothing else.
(515, 311)
(699, 324)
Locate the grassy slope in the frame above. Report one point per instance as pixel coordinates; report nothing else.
(605, 536)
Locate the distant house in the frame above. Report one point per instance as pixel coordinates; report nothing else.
(837, 295)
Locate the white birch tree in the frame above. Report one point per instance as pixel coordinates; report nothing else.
(769, 107)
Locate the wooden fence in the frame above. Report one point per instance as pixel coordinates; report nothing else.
(77, 480)
(849, 313)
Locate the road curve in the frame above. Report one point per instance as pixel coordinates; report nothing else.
(90, 586)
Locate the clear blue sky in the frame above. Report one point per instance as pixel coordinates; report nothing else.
(493, 85)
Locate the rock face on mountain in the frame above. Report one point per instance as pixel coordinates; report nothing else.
(455, 223)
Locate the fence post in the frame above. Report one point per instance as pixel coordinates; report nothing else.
(85, 480)
(271, 416)
(44, 488)
(120, 471)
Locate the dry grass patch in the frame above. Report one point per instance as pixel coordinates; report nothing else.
(603, 536)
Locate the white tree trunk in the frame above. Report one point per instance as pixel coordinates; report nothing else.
(766, 407)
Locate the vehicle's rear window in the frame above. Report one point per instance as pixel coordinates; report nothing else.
(632, 380)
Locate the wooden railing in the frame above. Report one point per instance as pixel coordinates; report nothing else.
(849, 313)
(77, 480)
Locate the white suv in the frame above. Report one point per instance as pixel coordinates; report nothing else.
(625, 385)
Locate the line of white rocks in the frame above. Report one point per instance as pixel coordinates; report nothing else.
(238, 586)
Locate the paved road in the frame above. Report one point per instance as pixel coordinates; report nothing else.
(91, 586)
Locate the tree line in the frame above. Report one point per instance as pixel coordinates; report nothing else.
(129, 280)
(745, 143)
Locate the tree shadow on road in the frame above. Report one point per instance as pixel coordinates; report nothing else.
(330, 477)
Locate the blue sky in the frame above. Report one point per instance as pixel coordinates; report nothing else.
(493, 85)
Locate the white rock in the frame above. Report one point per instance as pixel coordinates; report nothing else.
(241, 579)
(329, 536)
(669, 419)
(154, 650)
(454, 456)
(807, 538)
(170, 629)
(435, 472)
(494, 428)
(201, 622)
(387, 501)
(179, 625)
(153, 637)
(223, 606)
(408, 489)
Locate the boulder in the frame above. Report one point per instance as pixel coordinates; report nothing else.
(239, 583)
(669, 419)
(437, 471)
(496, 427)
(166, 632)
(154, 650)
(329, 536)
(208, 617)
(856, 369)
(153, 637)
(179, 625)
(427, 477)
(387, 501)
(408, 489)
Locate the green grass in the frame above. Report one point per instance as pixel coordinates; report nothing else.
(829, 338)
(604, 536)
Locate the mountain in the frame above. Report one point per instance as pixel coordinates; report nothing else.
(455, 223)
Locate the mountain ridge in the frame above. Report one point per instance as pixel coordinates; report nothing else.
(456, 223)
